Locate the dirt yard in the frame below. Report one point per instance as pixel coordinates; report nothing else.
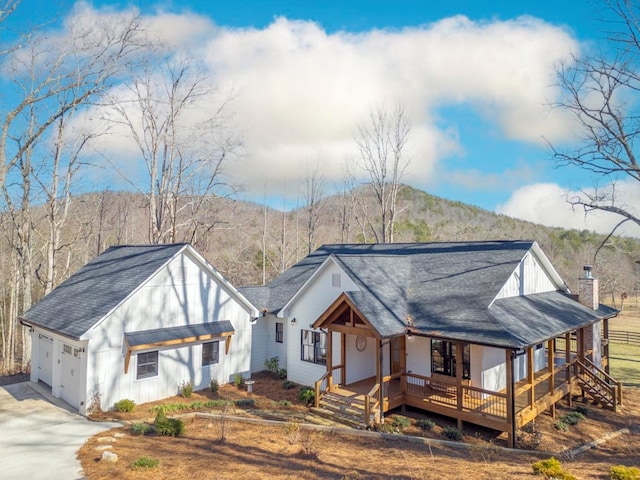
(287, 451)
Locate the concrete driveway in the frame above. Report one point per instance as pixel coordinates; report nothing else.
(39, 435)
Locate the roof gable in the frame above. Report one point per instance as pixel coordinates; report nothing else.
(81, 301)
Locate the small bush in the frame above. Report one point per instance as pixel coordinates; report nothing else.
(425, 424)
(386, 428)
(561, 426)
(282, 373)
(173, 427)
(245, 402)
(214, 385)
(400, 422)
(583, 409)
(139, 428)
(572, 418)
(551, 468)
(186, 389)
(453, 433)
(284, 403)
(272, 365)
(238, 380)
(307, 395)
(124, 405)
(288, 385)
(145, 462)
(621, 472)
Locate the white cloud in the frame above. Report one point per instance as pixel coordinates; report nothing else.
(546, 204)
(301, 92)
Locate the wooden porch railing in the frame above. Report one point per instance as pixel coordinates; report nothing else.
(598, 382)
(371, 402)
(324, 384)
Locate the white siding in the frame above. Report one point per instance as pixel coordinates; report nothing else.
(419, 355)
(314, 300)
(529, 277)
(264, 345)
(360, 365)
(182, 293)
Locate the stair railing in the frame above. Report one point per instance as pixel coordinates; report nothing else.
(593, 376)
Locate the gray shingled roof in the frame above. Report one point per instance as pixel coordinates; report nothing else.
(82, 300)
(445, 289)
(158, 335)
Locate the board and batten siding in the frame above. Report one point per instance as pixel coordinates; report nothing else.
(312, 302)
(181, 293)
(265, 346)
(528, 278)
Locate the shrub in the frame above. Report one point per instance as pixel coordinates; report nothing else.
(551, 468)
(272, 365)
(572, 418)
(621, 472)
(238, 380)
(124, 405)
(282, 373)
(145, 462)
(288, 385)
(453, 433)
(425, 424)
(386, 428)
(583, 409)
(307, 395)
(561, 426)
(173, 427)
(213, 385)
(186, 389)
(245, 402)
(400, 422)
(139, 428)
(284, 403)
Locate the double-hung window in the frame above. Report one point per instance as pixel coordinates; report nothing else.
(314, 347)
(279, 332)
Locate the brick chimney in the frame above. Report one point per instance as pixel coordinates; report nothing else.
(589, 296)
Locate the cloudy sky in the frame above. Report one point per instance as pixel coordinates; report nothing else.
(476, 79)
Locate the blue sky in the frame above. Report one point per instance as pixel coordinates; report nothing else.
(476, 77)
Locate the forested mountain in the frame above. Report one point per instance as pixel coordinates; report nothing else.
(251, 244)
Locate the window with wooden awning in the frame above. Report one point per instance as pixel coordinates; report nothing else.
(176, 337)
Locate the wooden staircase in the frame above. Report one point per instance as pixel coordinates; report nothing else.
(347, 410)
(599, 385)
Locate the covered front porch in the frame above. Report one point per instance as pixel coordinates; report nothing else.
(533, 379)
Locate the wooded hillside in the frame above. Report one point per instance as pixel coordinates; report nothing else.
(251, 244)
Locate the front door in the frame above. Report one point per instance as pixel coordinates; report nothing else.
(398, 355)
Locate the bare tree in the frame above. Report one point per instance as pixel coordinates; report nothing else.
(382, 143)
(600, 91)
(183, 155)
(314, 206)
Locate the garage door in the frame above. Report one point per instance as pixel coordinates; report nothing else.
(45, 358)
(70, 375)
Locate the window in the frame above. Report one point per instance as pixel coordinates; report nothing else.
(335, 280)
(443, 358)
(147, 365)
(66, 349)
(279, 332)
(314, 347)
(210, 353)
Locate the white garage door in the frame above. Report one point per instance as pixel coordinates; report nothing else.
(70, 375)
(45, 358)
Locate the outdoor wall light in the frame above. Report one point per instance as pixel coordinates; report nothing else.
(293, 321)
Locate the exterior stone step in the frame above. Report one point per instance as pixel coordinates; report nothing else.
(348, 420)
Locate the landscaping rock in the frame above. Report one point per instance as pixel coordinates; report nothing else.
(109, 457)
(102, 448)
(106, 440)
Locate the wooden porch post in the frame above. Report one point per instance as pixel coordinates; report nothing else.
(330, 359)
(511, 422)
(605, 350)
(552, 381)
(379, 379)
(567, 353)
(343, 358)
(459, 355)
(531, 377)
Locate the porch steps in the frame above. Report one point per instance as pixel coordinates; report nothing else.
(597, 392)
(347, 410)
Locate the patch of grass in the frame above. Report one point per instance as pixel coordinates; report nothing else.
(625, 363)
(145, 462)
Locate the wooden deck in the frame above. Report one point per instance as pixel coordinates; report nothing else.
(465, 402)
